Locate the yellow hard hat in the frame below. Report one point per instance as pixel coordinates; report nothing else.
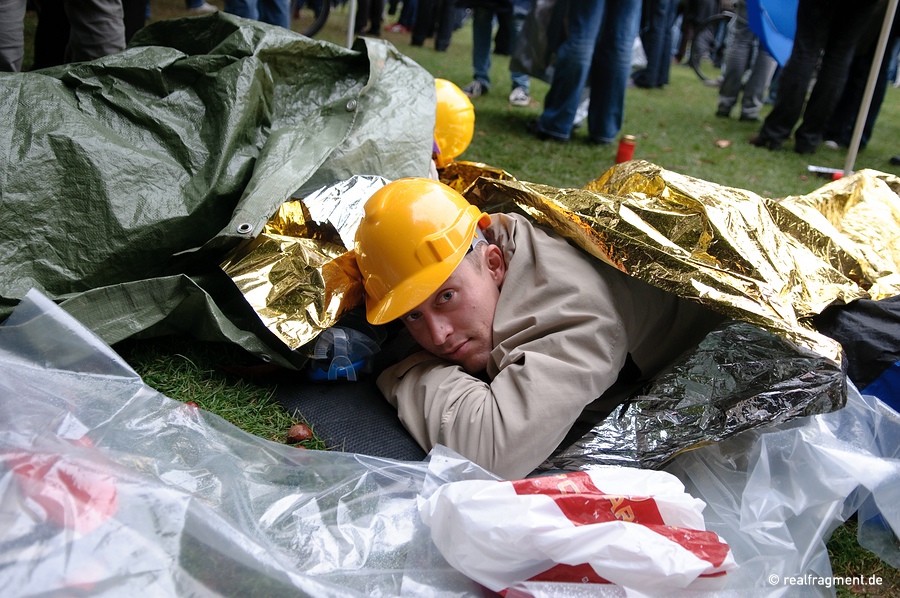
(454, 123)
(413, 235)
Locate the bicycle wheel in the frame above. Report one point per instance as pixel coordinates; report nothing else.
(708, 48)
(309, 16)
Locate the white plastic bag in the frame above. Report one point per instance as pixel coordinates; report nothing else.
(634, 528)
(638, 56)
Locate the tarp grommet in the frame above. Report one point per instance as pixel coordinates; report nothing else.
(244, 228)
(351, 105)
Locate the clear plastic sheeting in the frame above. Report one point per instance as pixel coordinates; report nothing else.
(776, 494)
(109, 488)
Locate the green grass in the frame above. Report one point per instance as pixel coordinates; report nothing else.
(675, 128)
(220, 378)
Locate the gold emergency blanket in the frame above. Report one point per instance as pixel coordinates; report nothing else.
(745, 256)
(770, 263)
(297, 282)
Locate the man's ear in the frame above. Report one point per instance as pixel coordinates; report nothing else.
(493, 259)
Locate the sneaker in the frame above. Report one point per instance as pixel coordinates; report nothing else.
(832, 144)
(474, 89)
(398, 28)
(519, 97)
(203, 9)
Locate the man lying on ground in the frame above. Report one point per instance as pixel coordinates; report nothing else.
(523, 333)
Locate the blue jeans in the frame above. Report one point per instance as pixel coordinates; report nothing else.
(597, 50)
(520, 13)
(656, 36)
(482, 30)
(273, 12)
(408, 14)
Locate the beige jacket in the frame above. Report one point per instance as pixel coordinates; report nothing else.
(564, 324)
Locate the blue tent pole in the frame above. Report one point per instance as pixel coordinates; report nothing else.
(870, 87)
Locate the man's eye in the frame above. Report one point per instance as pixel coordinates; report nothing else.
(412, 317)
(445, 296)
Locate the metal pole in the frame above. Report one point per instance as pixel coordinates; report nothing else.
(351, 26)
(870, 87)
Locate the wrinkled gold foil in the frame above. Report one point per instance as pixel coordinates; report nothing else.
(853, 224)
(298, 275)
(297, 286)
(772, 263)
(717, 245)
(460, 175)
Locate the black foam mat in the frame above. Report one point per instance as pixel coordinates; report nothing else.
(352, 417)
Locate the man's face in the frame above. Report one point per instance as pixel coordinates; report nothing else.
(456, 322)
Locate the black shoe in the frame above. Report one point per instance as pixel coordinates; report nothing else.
(535, 130)
(722, 113)
(749, 119)
(895, 160)
(804, 149)
(769, 144)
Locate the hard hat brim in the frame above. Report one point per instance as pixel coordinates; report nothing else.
(413, 291)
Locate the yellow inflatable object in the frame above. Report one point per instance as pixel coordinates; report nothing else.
(454, 123)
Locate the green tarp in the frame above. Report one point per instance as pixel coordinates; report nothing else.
(125, 180)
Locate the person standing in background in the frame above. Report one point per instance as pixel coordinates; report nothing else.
(839, 129)
(521, 82)
(826, 30)
(77, 30)
(273, 12)
(407, 19)
(657, 18)
(694, 12)
(12, 35)
(738, 59)
(369, 14)
(597, 51)
(434, 18)
(484, 12)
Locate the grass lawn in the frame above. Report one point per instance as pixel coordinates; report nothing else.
(675, 128)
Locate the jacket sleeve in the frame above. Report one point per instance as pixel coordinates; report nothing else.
(511, 424)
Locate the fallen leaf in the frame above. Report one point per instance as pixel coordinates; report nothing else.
(723, 143)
